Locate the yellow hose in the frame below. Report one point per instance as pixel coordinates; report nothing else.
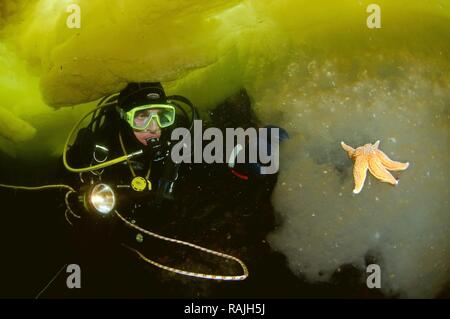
(94, 167)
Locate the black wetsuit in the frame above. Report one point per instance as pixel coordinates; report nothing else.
(151, 208)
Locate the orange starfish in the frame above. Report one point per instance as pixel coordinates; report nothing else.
(378, 163)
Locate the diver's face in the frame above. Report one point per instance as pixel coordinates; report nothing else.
(152, 131)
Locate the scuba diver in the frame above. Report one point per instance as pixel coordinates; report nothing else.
(123, 180)
(137, 127)
(121, 164)
(128, 136)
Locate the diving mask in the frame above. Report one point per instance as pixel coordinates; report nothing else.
(139, 118)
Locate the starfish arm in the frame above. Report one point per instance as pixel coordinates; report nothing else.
(350, 150)
(360, 173)
(377, 169)
(390, 164)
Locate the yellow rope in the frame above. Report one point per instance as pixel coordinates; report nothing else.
(38, 188)
(168, 239)
(171, 269)
(180, 242)
(67, 218)
(69, 209)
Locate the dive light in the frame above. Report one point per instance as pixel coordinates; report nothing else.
(100, 198)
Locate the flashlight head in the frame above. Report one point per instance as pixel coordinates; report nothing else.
(101, 199)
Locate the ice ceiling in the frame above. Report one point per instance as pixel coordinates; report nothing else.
(312, 67)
